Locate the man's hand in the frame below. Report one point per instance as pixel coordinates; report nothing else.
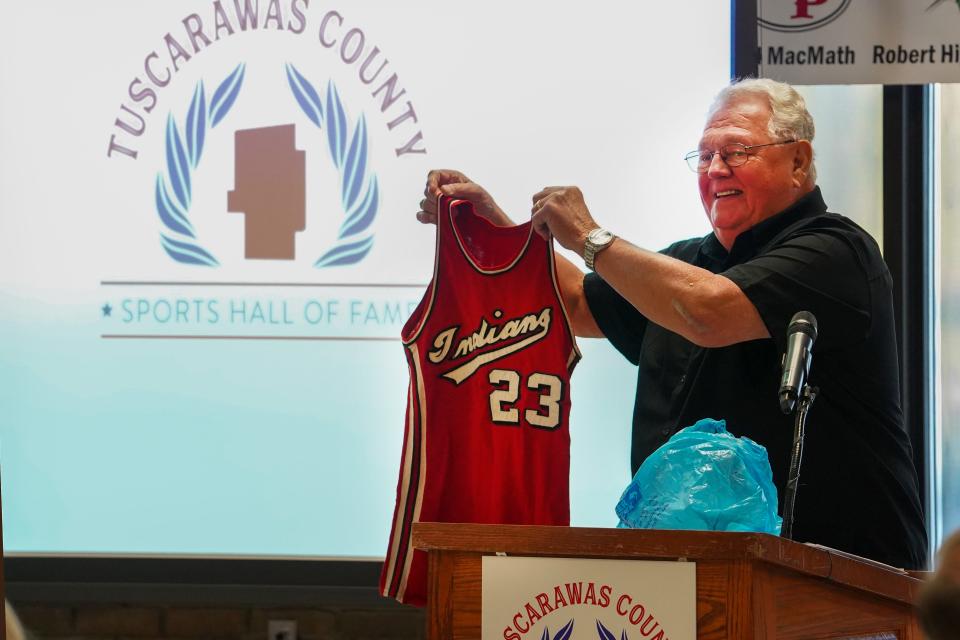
(561, 212)
(456, 185)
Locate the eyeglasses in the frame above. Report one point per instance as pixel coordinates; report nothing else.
(733, 155)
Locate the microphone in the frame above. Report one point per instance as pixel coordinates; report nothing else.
(796, 363)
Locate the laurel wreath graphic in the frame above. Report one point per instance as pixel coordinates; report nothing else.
(182, 159)
(606, 634)
(359, 194)
(562, 634)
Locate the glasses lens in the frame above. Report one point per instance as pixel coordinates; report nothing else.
(734, 154)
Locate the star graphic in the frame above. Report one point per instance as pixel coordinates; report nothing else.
(106, 310)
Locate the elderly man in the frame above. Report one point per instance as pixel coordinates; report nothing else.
(705, 319)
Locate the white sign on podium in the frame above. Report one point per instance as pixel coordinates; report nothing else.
(567, 598)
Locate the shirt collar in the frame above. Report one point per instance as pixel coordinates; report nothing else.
(749, 242)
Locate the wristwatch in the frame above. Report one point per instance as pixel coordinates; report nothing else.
(597, 240)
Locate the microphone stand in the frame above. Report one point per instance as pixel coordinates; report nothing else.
(807, 395)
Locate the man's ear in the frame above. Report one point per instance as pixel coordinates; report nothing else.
(802, 159)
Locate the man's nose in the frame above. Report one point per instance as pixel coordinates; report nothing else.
(717, 166)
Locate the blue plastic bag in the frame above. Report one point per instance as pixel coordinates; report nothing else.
(703, 478)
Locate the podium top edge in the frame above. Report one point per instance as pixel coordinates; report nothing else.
(651, 544)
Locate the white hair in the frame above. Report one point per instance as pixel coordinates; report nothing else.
(789, 119)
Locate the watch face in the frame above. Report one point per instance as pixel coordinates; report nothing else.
(600, 237)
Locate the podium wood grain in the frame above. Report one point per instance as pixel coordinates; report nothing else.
(748, 585)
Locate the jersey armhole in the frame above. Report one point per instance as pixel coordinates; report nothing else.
(418, 319)
(575, 354)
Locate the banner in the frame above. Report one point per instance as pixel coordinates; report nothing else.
(563, 598)
(859, 41)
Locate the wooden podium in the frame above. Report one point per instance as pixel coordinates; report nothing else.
(749, 585)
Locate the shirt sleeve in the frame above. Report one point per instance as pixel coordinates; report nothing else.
(619, 320)
(823, 271)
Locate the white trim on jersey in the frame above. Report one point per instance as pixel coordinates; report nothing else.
(418, 501)
(391, 559)
(432, 291)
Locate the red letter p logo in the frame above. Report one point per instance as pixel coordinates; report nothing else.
(803, 8)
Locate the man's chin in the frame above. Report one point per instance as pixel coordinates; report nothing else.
(727, 218)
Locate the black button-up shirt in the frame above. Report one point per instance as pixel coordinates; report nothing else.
(858, 487)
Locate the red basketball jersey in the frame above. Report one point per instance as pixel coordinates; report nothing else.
(490, 352)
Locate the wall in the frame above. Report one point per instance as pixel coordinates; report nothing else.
(161, 621)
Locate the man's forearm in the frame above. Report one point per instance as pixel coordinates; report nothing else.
(703, 307)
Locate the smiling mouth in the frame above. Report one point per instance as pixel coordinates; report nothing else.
(727, 194)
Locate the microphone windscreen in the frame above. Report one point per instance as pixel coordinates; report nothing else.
(804, 322)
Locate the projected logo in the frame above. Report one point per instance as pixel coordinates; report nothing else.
(261, 141)
(270, 177)
(792, 16)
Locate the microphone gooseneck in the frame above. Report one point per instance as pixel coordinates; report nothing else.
(801, 334)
